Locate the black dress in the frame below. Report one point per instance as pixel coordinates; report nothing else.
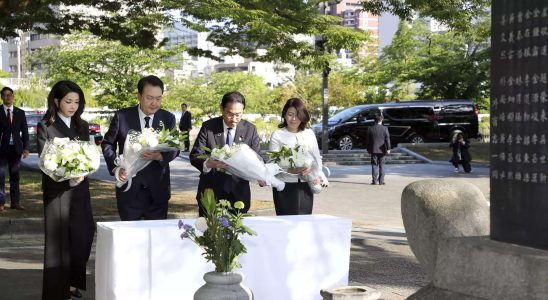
(69, 225)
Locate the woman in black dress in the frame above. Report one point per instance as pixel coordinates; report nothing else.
(69, 225)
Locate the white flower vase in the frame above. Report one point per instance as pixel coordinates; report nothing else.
(223, 286)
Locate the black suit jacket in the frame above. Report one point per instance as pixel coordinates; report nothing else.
(156, 174)
(18, 130)
(378, 139)
(211, 135)
(60, 130)
(185, 124)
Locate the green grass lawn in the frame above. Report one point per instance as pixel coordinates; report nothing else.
(103, 198)
(478, 151)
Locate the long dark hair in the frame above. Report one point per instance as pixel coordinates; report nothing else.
(302, 113)
(58, 91)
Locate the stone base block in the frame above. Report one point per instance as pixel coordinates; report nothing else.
(431, 292)
(484, 268)
(350, 293)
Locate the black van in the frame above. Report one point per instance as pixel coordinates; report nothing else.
(416, 121)
(413, 122)
(456, 116)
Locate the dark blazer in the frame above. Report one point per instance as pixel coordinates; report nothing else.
(18, 130)
(378, 139)
(465, 155)
(156, 175)
(211, 135)
(186, 121)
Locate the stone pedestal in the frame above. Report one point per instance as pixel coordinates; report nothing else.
(481, 268)
(350, 293)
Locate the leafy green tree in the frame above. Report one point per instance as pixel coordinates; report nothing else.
(457, 14)
(34, 95)
(203, 95)
(109, 68)
(447, 65)
(263, 30)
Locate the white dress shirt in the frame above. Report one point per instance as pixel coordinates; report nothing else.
(65, 120)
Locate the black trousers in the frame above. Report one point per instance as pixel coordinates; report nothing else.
(465, 165)
(187, 140)
(142, 207)
(295, 199)
(377, 167)
(69, 231)
(12, 160)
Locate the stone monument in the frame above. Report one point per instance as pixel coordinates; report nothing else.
(511, 263)
(519, 122)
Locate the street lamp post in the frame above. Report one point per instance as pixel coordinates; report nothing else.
(325, 113)
(320, 43)
(18, 44)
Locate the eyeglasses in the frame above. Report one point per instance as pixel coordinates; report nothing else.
(233, 115)
(8, 95)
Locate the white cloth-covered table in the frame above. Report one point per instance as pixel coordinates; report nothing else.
(292, 257)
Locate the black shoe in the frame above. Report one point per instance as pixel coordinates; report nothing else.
(382, 183)
(76, 293)
(373, 183)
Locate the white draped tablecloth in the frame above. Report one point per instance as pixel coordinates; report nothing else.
(292, 257)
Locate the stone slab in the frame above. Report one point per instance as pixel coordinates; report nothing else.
(484, 268)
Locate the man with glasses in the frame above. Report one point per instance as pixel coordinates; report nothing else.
(14, 142)
(227, 129)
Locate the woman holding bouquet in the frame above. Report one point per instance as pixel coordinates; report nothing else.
(297, 197)
(69, 225)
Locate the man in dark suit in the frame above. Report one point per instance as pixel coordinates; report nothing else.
(14, 142)
(185, 124)
(378, 145)
(216, 132)
(150, 189)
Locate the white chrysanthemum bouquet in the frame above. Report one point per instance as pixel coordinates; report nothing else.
(292, 160)
(139, 142)
(245, 163)
(63, 159)
(297, 159)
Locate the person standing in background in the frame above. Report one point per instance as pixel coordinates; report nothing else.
(185, 124)
(378, 145)
(14, 142)
(461, 155)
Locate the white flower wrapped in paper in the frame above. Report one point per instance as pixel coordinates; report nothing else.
(138, 143)
(296, 159)
(245, 163)
(63, 159)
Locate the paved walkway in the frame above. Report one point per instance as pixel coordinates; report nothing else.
(380, 255)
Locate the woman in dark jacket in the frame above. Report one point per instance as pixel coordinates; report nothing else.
(460, 145)
(69, 225)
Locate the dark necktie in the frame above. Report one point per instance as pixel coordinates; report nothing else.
(229, 137)
(147, 125)
(9, 117)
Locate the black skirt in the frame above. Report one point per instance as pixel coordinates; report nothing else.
(296, 199)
